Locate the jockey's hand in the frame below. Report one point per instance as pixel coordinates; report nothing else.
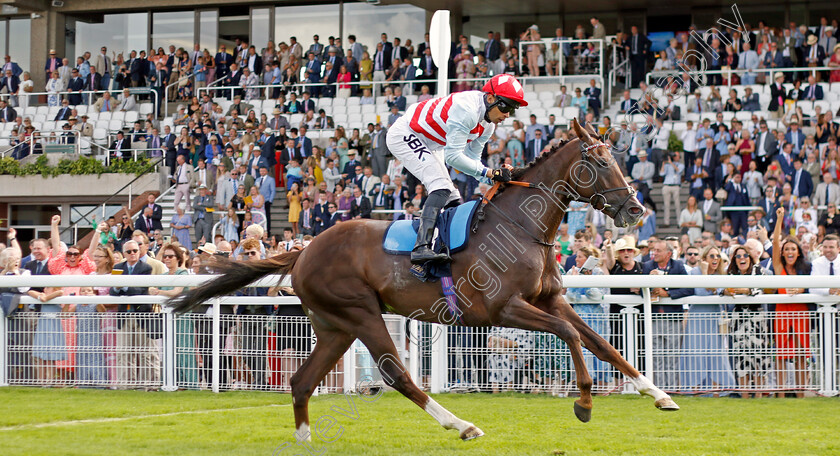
(500, 175)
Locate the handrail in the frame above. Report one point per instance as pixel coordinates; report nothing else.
(612, 76)
(166, 93)
(132, 181)
(88, 101)
(32, 139)
(739, 71)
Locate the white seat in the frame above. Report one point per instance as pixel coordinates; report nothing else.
(81, 109)
(43, 110)
(336, 109)
(8, 126)
(93, 116)
(546, 96)
(100, 134)
(147, 108)
(339, 102)
(410, 100)
(743, 116)
(368, 109)
(825, 105)
(30, 111)
(40, 118)
(323, 102)
(115, 125)
(38, 126)
(353, 110)
(295, 119)
(570, 112)
(558, 112)
(5, 142)
(368, 117)
(539, 112)
(118, 115)
(50, 125)
(340, 119)
(105, 115)
(53, 111)
(728, 115)
(168, 122)
(102, 124)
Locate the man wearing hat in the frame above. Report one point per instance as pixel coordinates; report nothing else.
(778, 96)
(239, 106)
(814, 53)
(620, 259)
(53, 64)
(643, 170)
(278, 120)
(84, 127)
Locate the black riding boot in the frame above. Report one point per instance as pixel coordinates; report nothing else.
(422, 249)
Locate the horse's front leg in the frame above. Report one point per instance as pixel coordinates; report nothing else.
(558, 307)
(517, 313)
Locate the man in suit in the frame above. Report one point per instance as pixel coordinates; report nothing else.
(710, 158)
(103, 64)
(813, 53)
(398, 52)
(139, 69)
(795, 137)
(202, 219)
(306, 221)
(359, 206)
(399, 100)
(121, 147)
(710, 208)
(145, 223)
(104, 104)
(367, 182)
(226, 189)
(773, 58)
(303, 144)
(126, 101)
(256, 162)
(408, 72)
(535, 146)
(157, 212)
(492, 50)
(827, 191)
(736, 195)
(321, 213)
(316, 47)
(812, 92)
(306, 103)
(278, 121)
(232, 80)
(53, 63)
(627, 104)
(768, 205)
(593, 95)
(265, 184)
(800, 179)
(10, 83)
(182, 178)
(698, 178)
(7, 113)
(428, 67)
(637, 46)
(668, 330)
(223, 62)
(253, 61)
(323, 121)
(8, 65)
(136, 352)
(778, 96)
(750, 101)
(76, 84)
(766, 146)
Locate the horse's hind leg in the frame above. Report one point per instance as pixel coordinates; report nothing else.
(520, 314)
(606, 352)
(332, 343)
(376, 338)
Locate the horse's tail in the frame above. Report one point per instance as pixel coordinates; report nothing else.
(235, 276)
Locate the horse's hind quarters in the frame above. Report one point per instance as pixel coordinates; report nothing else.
(471, 432)
(666, 404)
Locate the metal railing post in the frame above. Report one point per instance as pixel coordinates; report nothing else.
(828, 349)
(4, 349)
(349, 383)
(629, 319)
(216, 344)
(414, 342)
(169, 338)
(440, 359)
(648, 315)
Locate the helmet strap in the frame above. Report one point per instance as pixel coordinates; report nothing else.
(488, 106)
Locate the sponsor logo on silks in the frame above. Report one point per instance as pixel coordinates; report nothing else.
(416, 146)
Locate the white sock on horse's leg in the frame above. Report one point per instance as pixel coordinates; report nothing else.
(302, 433)
(450, 421)
(645, 386)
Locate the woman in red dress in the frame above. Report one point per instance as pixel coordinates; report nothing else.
(792, 325)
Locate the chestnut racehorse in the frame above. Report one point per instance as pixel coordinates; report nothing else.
(507, 276)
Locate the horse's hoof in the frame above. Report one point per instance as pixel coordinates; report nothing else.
(582, 413)
(666, 404)
(471, 432)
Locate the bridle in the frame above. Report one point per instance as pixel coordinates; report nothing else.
(598, 200)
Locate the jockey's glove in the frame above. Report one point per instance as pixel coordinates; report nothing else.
(500, 175)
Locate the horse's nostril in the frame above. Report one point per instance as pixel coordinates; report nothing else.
(635, 210)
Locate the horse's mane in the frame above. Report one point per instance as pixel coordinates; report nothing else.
(518, 173)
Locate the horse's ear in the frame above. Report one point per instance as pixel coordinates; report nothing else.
(592, 131)
(580, 132)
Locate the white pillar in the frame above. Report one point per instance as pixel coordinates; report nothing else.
(629, 318)
(169, 350)
(349, 384)
(414, 341)
(828, 349)
(217, 344)
(648, 332)
(440, 360)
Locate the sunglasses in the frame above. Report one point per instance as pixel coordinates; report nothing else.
(742, 255)
(73, 254)
(505, 107)
(252, 253)
(715, 256)
(132, 251)
(691, 254)
(169, 256)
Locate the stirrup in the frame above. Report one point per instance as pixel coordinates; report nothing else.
(423, 254)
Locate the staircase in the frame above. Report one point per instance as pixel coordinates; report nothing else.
(279, 212)
(656, 195)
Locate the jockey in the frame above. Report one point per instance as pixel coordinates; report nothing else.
(460, 124)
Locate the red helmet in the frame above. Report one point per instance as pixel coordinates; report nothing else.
(506, 87)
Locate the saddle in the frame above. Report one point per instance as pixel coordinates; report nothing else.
(453, 231)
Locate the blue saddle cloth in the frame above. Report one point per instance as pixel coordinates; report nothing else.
(453, 226)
